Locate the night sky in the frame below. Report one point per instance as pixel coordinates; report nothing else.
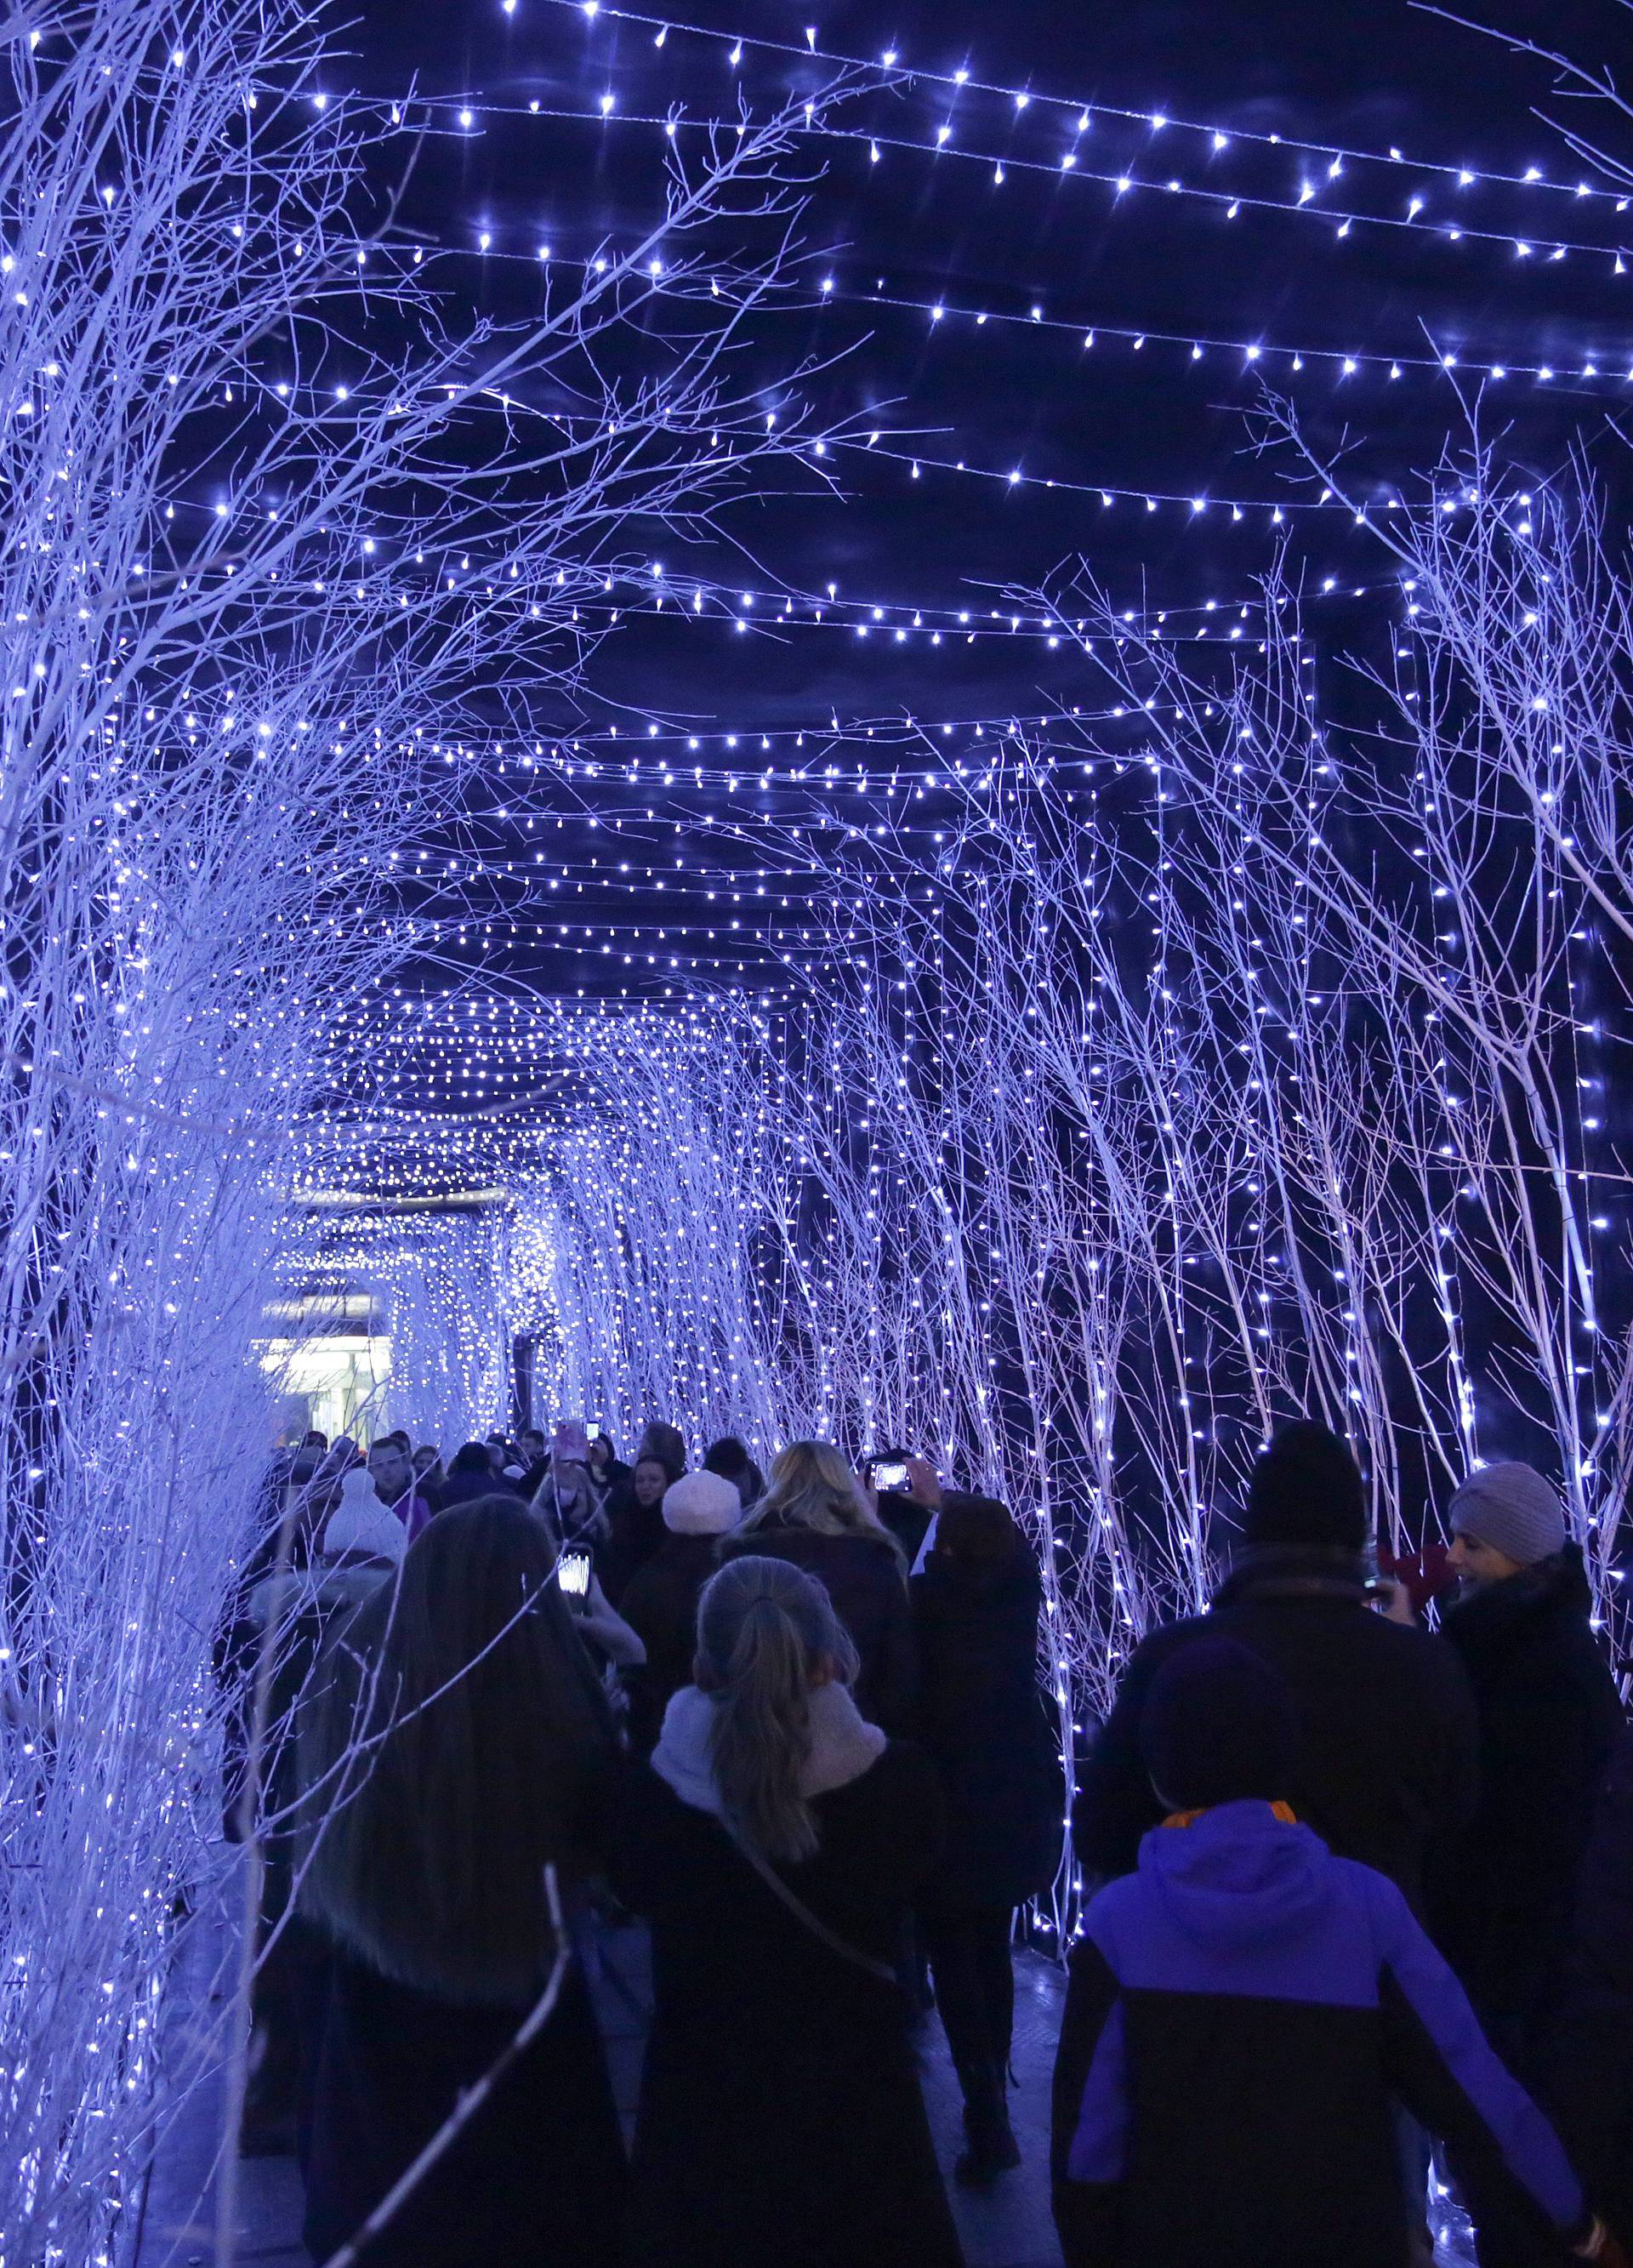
(1148, 419)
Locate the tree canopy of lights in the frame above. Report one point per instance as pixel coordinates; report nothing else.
(243, 497)
(1066, 1088)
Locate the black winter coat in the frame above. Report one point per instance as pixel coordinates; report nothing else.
(637, 1532)
(983, 1721)
(469, 1488)
(660, 1605)
(864, 1580)
(1389, 1765)
(1589, 2083)
(781, 2119)
(537, 2180)
(1550, 1720)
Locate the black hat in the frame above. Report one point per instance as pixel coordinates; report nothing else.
(1219, 1726)
(1306, 1488)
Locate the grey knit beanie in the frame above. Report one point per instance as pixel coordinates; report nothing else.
(1514, 1510)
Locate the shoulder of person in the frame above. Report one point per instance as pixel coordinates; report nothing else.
(1171, 1637)
(1382, 1901)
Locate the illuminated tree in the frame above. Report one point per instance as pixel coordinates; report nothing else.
(276, 516)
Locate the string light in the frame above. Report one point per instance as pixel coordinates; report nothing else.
(1231, 202)
(1334, 156)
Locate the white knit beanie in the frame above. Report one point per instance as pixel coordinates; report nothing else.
(702, 1503)
(360, 1522)
(1514, 1510)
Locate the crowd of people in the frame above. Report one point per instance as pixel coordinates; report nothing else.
(1352, 1887)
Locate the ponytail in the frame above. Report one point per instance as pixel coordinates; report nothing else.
(764, 1631)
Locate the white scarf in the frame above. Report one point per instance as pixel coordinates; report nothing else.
(843, 1745)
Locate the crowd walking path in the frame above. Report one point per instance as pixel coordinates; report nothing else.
(1007, 2226)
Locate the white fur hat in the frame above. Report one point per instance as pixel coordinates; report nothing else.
(360, 1522)
(702, 1503)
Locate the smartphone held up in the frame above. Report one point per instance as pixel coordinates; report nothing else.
(573, 1574)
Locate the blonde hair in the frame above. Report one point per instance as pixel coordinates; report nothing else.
(765, 1632)
(813, 1485)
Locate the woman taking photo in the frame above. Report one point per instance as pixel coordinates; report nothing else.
(816, 1514)
(775, 1843)
(445, 1773)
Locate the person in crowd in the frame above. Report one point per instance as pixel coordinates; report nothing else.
(361, 1545)
(1388, 1763)
(471, 1476)
(392, 1472)
(1243, 2012)
(660, 1599)
(634, 1524)
(612, 1482)
(315, 1441)
(429, 1477)
(361, 1534)
(535, 1460)
(982, 1721)
(1550, 1720)
(775, 1843)
(304, 1469)
(507, 1462)
(1588, 2084)
(608, 1469)
(426, 1877)
(730, 1458)
(816, 1514)
(323, 1490)
(906, 1512)
(567, 1501)
(662, 1440)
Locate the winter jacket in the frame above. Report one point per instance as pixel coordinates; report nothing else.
(536, 2180)
(635, 1534)
(470, 1488)
(1242, 2014)
(780, 2117)
(1588, 2086)
(1549, 1721)
(863, 1577)
(983, 1721)
(1388, 1769)
(660, 1605)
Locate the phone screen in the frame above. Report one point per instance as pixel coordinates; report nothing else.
(890, 1477)
(592, 1431)
(573, 1568)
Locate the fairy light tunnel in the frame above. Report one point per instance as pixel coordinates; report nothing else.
(1058, 1017)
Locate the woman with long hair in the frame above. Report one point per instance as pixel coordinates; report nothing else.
(816, 1514)
(634, 1520)
(454, 1743)
(775, 1843)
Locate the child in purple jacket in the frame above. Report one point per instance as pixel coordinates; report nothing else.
(1246, 2013)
